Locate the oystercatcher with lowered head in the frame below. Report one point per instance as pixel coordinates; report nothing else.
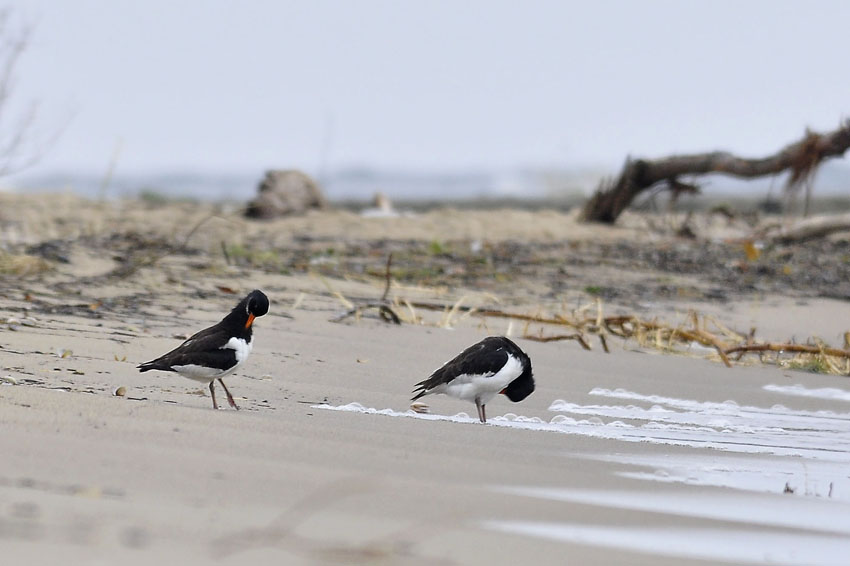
(218, 350)
(493, 366)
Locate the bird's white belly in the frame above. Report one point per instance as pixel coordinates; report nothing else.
(202, 373)
(206, 374)
(482, 387)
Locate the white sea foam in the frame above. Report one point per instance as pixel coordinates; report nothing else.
(738, 546)
(763, 450)
(830, 393)
(828, 516)
(821, 435)
(778, 430)
(508, 420)
(760, 474)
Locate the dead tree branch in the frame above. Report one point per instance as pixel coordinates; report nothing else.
(800, 158)
(20, 145)
(790, 349)
(385, 310)
(702, 330)
(577, 337)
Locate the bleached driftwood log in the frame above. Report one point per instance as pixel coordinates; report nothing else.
(800, 158)
(806, 229)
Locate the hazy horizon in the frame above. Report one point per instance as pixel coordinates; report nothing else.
(213, 86)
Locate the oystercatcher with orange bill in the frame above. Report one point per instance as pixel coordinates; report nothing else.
(491, 367)
(217, 351)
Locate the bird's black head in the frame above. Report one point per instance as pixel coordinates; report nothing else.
(523, 386)
(257, 303)
(243, 315)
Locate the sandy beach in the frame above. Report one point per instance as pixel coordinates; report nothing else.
(635, 456)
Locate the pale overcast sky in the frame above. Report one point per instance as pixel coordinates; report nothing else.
(230, 86)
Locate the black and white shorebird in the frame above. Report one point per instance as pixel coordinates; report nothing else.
(217, 351)
(493, 366)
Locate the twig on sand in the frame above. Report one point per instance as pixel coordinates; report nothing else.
(385, 310)
(225, 253)
(790, 348)
(137, 261)
(496, 313)
(387, 278)
(704, 330)
(577, 337)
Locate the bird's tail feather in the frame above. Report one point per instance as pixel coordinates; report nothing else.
(420, 390)
(155, 364)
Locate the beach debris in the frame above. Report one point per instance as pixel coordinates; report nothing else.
(53, 250)
(382, 207)
(805, 229)
(22, 265)
(752, 249)
(120, 391)
(285, 192)
(801, 159)
(225, 253)
(697, 333)
(449, 315)
(139, 251)
(8, 379)
(385, 308)
(419, 407)
(13, 323)
(64, 352)
(577, 337)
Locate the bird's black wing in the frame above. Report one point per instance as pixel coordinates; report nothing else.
(484, 358)
(206, 342)
(222, 359)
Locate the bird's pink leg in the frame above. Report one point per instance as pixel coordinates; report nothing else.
(229, 396)
(212, 392)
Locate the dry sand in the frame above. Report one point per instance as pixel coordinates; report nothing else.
(641, 463)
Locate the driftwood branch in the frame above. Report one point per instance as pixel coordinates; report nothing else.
(800, 158)
(385, 310)
(791, 349)
(679, 338)
(386, 313)
(577, 337)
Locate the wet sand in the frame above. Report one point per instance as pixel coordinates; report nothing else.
(631, 457)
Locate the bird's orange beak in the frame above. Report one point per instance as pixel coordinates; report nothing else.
(502, 392)
(251, 318)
